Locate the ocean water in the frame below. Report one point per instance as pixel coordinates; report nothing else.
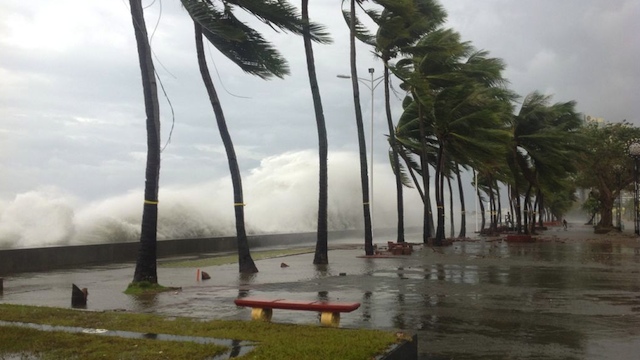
(280, 197)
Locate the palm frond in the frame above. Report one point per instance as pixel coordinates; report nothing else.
(361, 32)
(238, 42)
(401, 170)
(279, 14)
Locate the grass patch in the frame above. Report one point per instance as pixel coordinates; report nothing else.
(275, 341)
(231, 259)
(146, 288)
(22, 343)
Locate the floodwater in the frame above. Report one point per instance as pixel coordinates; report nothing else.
(570, 295)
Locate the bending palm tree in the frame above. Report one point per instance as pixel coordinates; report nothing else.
(364, 178)
(245, 260)
(544, 139)
(463, 103)
(253, 54)
(402, 24)
(321, 254)
(146, 266)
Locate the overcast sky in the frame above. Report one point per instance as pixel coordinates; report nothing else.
(71, 109)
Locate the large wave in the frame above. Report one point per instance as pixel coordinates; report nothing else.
(281, 196)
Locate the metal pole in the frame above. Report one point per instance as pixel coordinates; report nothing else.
(370, 83)
(371, 70)
(635, 196)
(619, 202)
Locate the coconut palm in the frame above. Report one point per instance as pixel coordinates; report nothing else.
(400, 25)
(253, 54)
(355, 29)
(321, 254)
(544, 143)
(411, 138)
(146, 266)
(465, 103)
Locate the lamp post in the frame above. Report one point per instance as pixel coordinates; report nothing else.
(617, 169)
(371, 84)
(633, 150)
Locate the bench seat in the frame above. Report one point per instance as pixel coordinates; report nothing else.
(262, 309)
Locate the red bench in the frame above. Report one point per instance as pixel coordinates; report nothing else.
(262, 309)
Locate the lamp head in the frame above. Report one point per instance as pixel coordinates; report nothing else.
(633, 148)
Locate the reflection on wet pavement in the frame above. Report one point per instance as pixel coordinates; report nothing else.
(481, 299)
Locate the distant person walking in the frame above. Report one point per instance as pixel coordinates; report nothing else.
(564, 223)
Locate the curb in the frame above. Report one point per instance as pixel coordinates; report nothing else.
(405, 350)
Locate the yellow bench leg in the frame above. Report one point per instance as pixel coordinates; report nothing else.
(261, 314)
(331, 319)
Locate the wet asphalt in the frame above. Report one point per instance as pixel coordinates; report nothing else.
(570, 295)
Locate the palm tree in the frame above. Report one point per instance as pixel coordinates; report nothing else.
(464, 101)
(146, 263)
(463, 213)
(321, 253)
(245, 261)
(544, 140)
(411, 139)
(253, 54)
(401, 25)
(364, 178)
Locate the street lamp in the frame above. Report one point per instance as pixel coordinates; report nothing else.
(371, 84)
(633, 150)
(617, 169)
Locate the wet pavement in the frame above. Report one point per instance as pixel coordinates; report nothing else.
(570, 295)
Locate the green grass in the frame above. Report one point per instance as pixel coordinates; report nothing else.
(146, 288)
(22, 343)
(230, 259)
(275, 341)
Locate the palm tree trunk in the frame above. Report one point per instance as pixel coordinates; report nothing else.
(527, 210)
(451, 222)
(430, 221)
(535, 214)
(364, 178)
(463, 213)
(499, 204)
(394, 154)
(321, 254)
(427, 219)
(245, 262)
(146, 263)
(511, 202)
(483, 220)
(515, 193)
(492, 207)
(541, 209)
(439, 196)
(426, 208)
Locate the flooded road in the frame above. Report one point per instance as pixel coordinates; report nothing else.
(570, 295)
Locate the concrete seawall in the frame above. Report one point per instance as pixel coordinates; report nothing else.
(60, 257)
